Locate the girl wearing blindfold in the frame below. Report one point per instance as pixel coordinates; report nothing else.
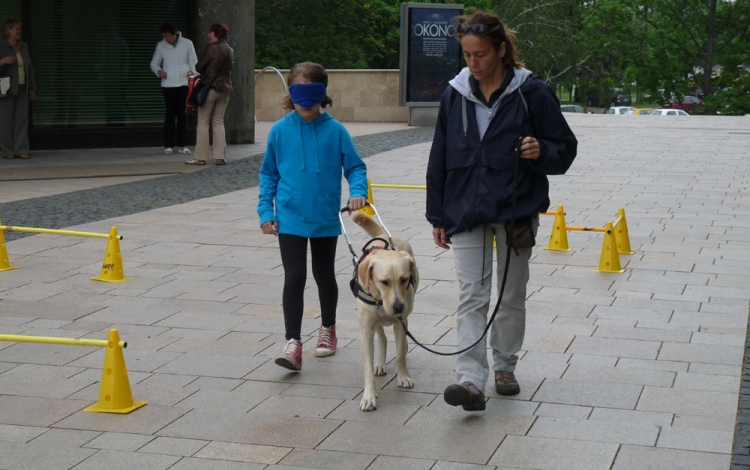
(300, 196)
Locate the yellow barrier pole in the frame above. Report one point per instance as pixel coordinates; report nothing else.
(398, 186)
(97, 343)
(585, 229)
(11, 228)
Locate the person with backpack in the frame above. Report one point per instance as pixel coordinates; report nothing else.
(487, 107)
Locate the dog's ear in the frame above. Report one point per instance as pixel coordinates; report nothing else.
(414, 272)
(365, 273)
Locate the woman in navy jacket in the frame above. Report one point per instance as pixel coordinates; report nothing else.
(470, 174)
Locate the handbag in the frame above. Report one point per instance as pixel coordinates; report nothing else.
(4, 86)
(200, 93)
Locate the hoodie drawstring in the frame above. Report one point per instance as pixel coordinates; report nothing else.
(463, 114)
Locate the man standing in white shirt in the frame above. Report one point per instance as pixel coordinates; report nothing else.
(174, 60)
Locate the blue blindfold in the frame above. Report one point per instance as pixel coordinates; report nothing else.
(307, 95)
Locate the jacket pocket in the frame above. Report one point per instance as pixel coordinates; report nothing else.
(310, 209)
(503, 161)
(460, 159)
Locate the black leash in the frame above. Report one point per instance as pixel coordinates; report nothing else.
(511, 230)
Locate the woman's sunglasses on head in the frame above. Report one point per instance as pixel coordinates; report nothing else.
(478, 29)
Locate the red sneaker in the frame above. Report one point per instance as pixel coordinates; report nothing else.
(291, 358)
(326, 341)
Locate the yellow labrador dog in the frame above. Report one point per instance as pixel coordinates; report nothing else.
(391, 278)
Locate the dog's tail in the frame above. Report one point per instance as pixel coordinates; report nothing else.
(371, 227)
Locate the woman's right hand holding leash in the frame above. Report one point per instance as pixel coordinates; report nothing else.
(270, 228)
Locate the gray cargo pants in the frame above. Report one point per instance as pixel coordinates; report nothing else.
(473, 255)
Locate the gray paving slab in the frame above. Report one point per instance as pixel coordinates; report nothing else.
(414, 441)
(119, 441)
(657, 458)
(243, 452)
(553, 454)
(18, 456)
(589, 393)
(212, 464)
(257, 429)
(127, 460)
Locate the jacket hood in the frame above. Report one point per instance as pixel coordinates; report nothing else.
(462, 84)
(294, 116)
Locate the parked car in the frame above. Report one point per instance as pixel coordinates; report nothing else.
(617, 97)
(572, 108)
(691, 104)
(642, 111)
(620, 110)
(668, 112)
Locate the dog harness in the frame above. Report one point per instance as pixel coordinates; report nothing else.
(354, 284)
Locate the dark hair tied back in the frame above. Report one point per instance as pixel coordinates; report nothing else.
(496, 33)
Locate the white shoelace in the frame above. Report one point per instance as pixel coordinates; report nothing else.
(291, 348)
(326, 338)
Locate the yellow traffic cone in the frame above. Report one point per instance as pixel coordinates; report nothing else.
(609, 262)
(4, 261)
(115, 395)
(367, 210)
(558, 241)
(112, 266)
(621, 234)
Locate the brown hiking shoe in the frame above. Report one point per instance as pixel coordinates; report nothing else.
(506, 383)
(465, 394)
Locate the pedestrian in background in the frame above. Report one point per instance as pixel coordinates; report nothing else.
(301, 173)
(15, 62)
(488, 106)
(215, 67)
(174, 60)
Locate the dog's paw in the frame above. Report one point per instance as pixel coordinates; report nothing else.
(379, 370)
(405, 382)
(369, 402)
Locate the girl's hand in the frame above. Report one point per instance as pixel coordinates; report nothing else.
(270, 228)
(356, 203)
(530, 149)
(441, 239)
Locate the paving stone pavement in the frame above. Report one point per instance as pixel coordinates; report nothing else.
(642, 369)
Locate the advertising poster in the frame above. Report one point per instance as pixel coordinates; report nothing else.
(433, 54)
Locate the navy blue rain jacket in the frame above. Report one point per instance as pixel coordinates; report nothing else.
(470, 181)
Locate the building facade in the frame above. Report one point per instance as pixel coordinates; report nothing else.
(92, 60)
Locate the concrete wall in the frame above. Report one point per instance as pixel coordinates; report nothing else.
(239, 16)
(358, 96)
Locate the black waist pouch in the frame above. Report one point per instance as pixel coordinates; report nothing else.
(523, 234)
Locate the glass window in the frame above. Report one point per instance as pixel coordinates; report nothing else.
(672, 113)
(92, 60)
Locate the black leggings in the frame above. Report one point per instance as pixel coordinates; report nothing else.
(294, 259)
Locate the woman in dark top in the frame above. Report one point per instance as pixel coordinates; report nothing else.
(470, 184)
(15, 62)
(215, 67)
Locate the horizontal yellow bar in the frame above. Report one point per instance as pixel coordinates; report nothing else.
(549, 213)
(585, 229)
(398, 186)
(97, 343)
(10, 228)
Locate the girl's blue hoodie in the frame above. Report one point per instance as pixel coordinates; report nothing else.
(302, 172)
